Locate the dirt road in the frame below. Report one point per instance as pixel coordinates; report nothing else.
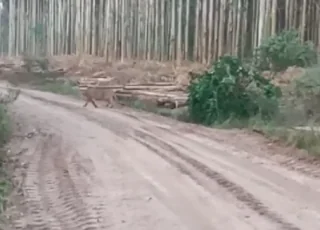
(92, 168)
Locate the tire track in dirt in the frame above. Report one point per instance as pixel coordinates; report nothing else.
(54, 194)
(73, 212)
(303, 164)
(36, 218)
(237, 191)
(287, 157)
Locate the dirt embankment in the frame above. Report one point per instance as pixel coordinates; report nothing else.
(120, 169)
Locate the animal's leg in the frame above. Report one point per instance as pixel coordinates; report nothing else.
(94, 104)
(87, 101)
(111, 101)
(108, 104)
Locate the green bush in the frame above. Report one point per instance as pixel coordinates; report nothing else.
(231, 90)
(60, 87)
(4, 125)
(279, 52)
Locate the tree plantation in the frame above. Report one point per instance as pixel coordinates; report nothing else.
(198, 30)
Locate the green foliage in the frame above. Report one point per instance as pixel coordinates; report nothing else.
(4, 125)
(279, 52)
(5, 188)
(231, 90)
(59, 87)
(5, 185)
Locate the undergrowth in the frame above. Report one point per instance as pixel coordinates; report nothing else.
(231, 90)
(234, 95)
(5, 133)
(5, 182)
(285, 49)
(59, 87)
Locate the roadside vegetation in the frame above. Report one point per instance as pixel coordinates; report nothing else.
(233, 94)
(276, 92)
(6, 185)
(60, 87)
(253, 94)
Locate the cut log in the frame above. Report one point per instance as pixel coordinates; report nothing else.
(133, 86)
(153, 84)
(157, 86)
(160, 102)
(152, 94)
(152, 87)
(172, 103)
(105, 86)
(161, 99)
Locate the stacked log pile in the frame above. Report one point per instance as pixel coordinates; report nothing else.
(163, 94)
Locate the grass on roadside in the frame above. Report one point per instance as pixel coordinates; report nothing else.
(5, 181)
(305, 137)
(304, 94)
(59, 87)
(298, 122)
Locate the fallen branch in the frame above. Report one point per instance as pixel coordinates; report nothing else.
(161, 99)
(155, 87)
(152, 87)
(172, 103)
(151, 94)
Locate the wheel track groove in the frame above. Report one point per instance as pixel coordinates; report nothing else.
(304, 165)
(36, 218)
(237, 191)
(73, 211)
(52, 196)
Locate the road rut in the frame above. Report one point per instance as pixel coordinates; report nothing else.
(120, 169)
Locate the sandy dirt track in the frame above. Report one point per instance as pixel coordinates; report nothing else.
(119, 169)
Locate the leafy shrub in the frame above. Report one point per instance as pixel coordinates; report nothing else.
(231, 90)
(4, 125)
(279, 52)
(6, 98)
(60, 87)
